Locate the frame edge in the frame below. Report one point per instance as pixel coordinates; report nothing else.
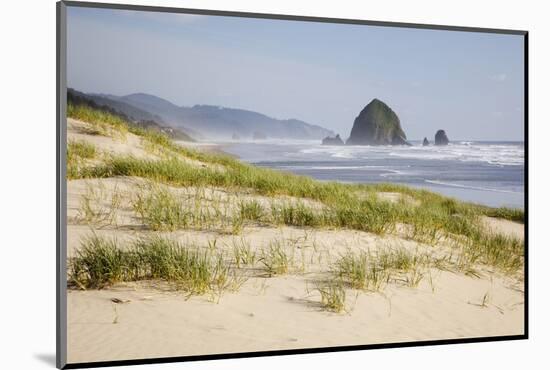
(289, 17)
(61, 193)
(61, 187)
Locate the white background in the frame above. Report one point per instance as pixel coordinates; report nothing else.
(27, 194)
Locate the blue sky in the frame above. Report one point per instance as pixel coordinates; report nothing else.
(470, 84)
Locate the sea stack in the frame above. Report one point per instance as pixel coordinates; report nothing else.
(441, 138)
(377, 124)
(333, 140)
(425, 142)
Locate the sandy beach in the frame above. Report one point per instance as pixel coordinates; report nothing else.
(279, 314)
(151, 319)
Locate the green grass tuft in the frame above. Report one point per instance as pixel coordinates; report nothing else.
(101, 262)
(243, 254)
(276, 260)
(251, 210)
(77, 153)
(333, 296)
(161, 210)
(373, 271)
(93, 212)
(80, 149)
(359, 272)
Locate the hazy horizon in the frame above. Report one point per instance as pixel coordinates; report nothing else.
(469, 84)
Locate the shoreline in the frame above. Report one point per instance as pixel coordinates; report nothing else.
(323, 163)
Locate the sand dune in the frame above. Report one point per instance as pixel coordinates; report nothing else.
(505, 227)
(270, 313)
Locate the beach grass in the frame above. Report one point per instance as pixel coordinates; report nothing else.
(333, 295)
(101, 262)
(251, 210)
(80, 149)
(359, 272)
(243, 253)
(427, 217)
(92, 209)
(160, 209)
(295, 214)
(101, 122)
(276, 259)
(434, 218)
(506, 213)
(77, 154)
(503, 252)
(371, 271)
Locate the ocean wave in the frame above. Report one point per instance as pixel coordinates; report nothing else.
(395, 173)
(302, 167)
(471, 187)
(493, 154)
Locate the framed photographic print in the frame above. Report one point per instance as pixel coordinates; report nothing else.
(234, 184)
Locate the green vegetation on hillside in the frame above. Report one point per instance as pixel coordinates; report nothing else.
(377, 124)
(108, 122)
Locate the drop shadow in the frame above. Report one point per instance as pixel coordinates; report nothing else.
(46, 358)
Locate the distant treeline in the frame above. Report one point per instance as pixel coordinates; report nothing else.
(76, 98)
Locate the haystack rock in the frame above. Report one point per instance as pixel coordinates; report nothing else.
(377, 124)
(441, 138)
(425, 142)
(333, 140)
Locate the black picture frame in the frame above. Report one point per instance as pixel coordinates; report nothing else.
(61, 191)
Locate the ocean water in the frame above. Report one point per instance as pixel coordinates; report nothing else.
(490, 173)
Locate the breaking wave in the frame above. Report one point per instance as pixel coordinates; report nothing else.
(471, 187)
(466, 151)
